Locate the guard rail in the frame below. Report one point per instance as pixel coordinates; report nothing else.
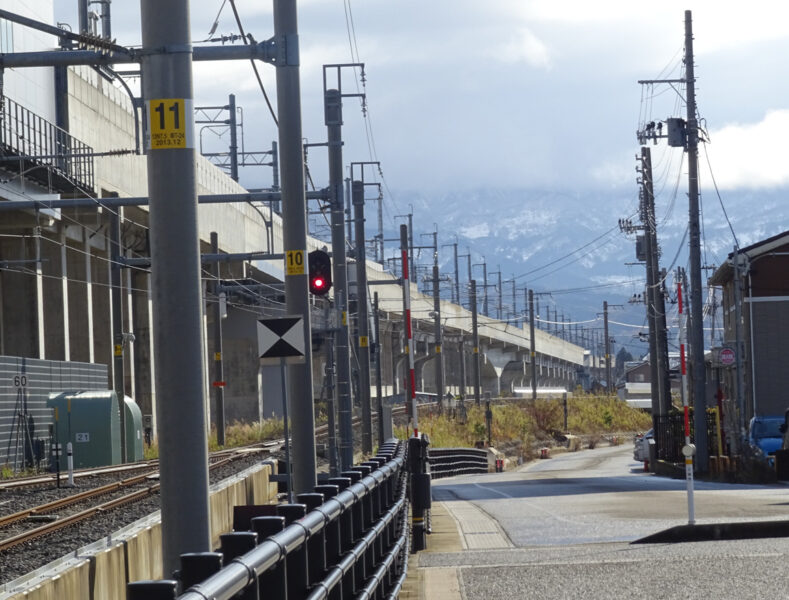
(353, 543)
(446, 462)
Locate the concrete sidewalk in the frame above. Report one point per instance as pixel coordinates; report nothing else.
(457, 526)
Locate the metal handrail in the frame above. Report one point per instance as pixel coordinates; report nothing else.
(42, 150)
(243, 571)
(445, 462)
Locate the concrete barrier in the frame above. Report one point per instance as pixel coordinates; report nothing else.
(109, 574)
(101, 570)
(144, 554)
(72, 583)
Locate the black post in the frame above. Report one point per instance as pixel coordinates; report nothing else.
(297, 560)
(275, 580)
(199, 566)
(165, 589)
(420, 491)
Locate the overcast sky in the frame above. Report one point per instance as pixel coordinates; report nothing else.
(516, 93)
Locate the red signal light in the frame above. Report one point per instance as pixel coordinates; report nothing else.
(320, 272)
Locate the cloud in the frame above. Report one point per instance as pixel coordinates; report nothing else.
(478, 230)
(523, 47)
(750, 155)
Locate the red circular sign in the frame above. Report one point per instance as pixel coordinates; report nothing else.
(727, 356)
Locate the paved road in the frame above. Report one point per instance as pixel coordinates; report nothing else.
(562, 527)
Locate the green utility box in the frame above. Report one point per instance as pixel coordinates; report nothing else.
(134, 431)
(91, 422)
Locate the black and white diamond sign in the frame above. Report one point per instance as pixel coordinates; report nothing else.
(281, 338)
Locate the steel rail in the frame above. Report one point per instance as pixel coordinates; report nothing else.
(73, 499)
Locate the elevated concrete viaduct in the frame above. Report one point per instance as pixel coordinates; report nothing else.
(56, 267)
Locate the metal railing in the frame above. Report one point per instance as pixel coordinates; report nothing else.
(446, 462)
(670, 436)
(353, 543)
(43, 151)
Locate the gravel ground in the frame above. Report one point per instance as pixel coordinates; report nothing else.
(22, 559)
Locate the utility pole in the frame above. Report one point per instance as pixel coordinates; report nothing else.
(689, 136)
(662, 333)
(457, 273)
(694, 231)
(410, 399)
(380, 245)
(644, 201)
(462, 351)
(118, 375)
(608, 385)
(467, 256)
(484, 265)
(378, 382)
(363, 321)
(655, 302)
(498, 288)
(166, 65)
(738, 340)
(219, 378)
(294, 234)
(475, 341)
(532, 345)
(514, 303)
(342, 352)
(439, 366)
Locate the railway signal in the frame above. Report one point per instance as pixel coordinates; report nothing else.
(320, 272)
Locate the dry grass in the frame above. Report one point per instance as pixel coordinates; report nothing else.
(525, 421)
(236, 434)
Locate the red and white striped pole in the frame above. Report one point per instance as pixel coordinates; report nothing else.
(409, 348)
(688, 449)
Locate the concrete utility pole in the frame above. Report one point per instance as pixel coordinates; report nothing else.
(457, 274)
(439, 366)
(467, 256)
(499, 308)
(462, 351)
(342, 388)
(363, 320)
(294, 217)
(475, 341)
(662, 329)
(410, 399)
(118, 375)
(532, 344)
(657, 400)
(175, 280)
(738, 340)
(484, 265)
(694, 231)
(655, 304)
(378, 382)
(219, 379)
(608, 385)
(514, 303)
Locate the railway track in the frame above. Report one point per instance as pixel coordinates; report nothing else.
(146, 485)
(81, 506)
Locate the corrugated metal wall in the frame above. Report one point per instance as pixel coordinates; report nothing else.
(770, 354)
(25, 385)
